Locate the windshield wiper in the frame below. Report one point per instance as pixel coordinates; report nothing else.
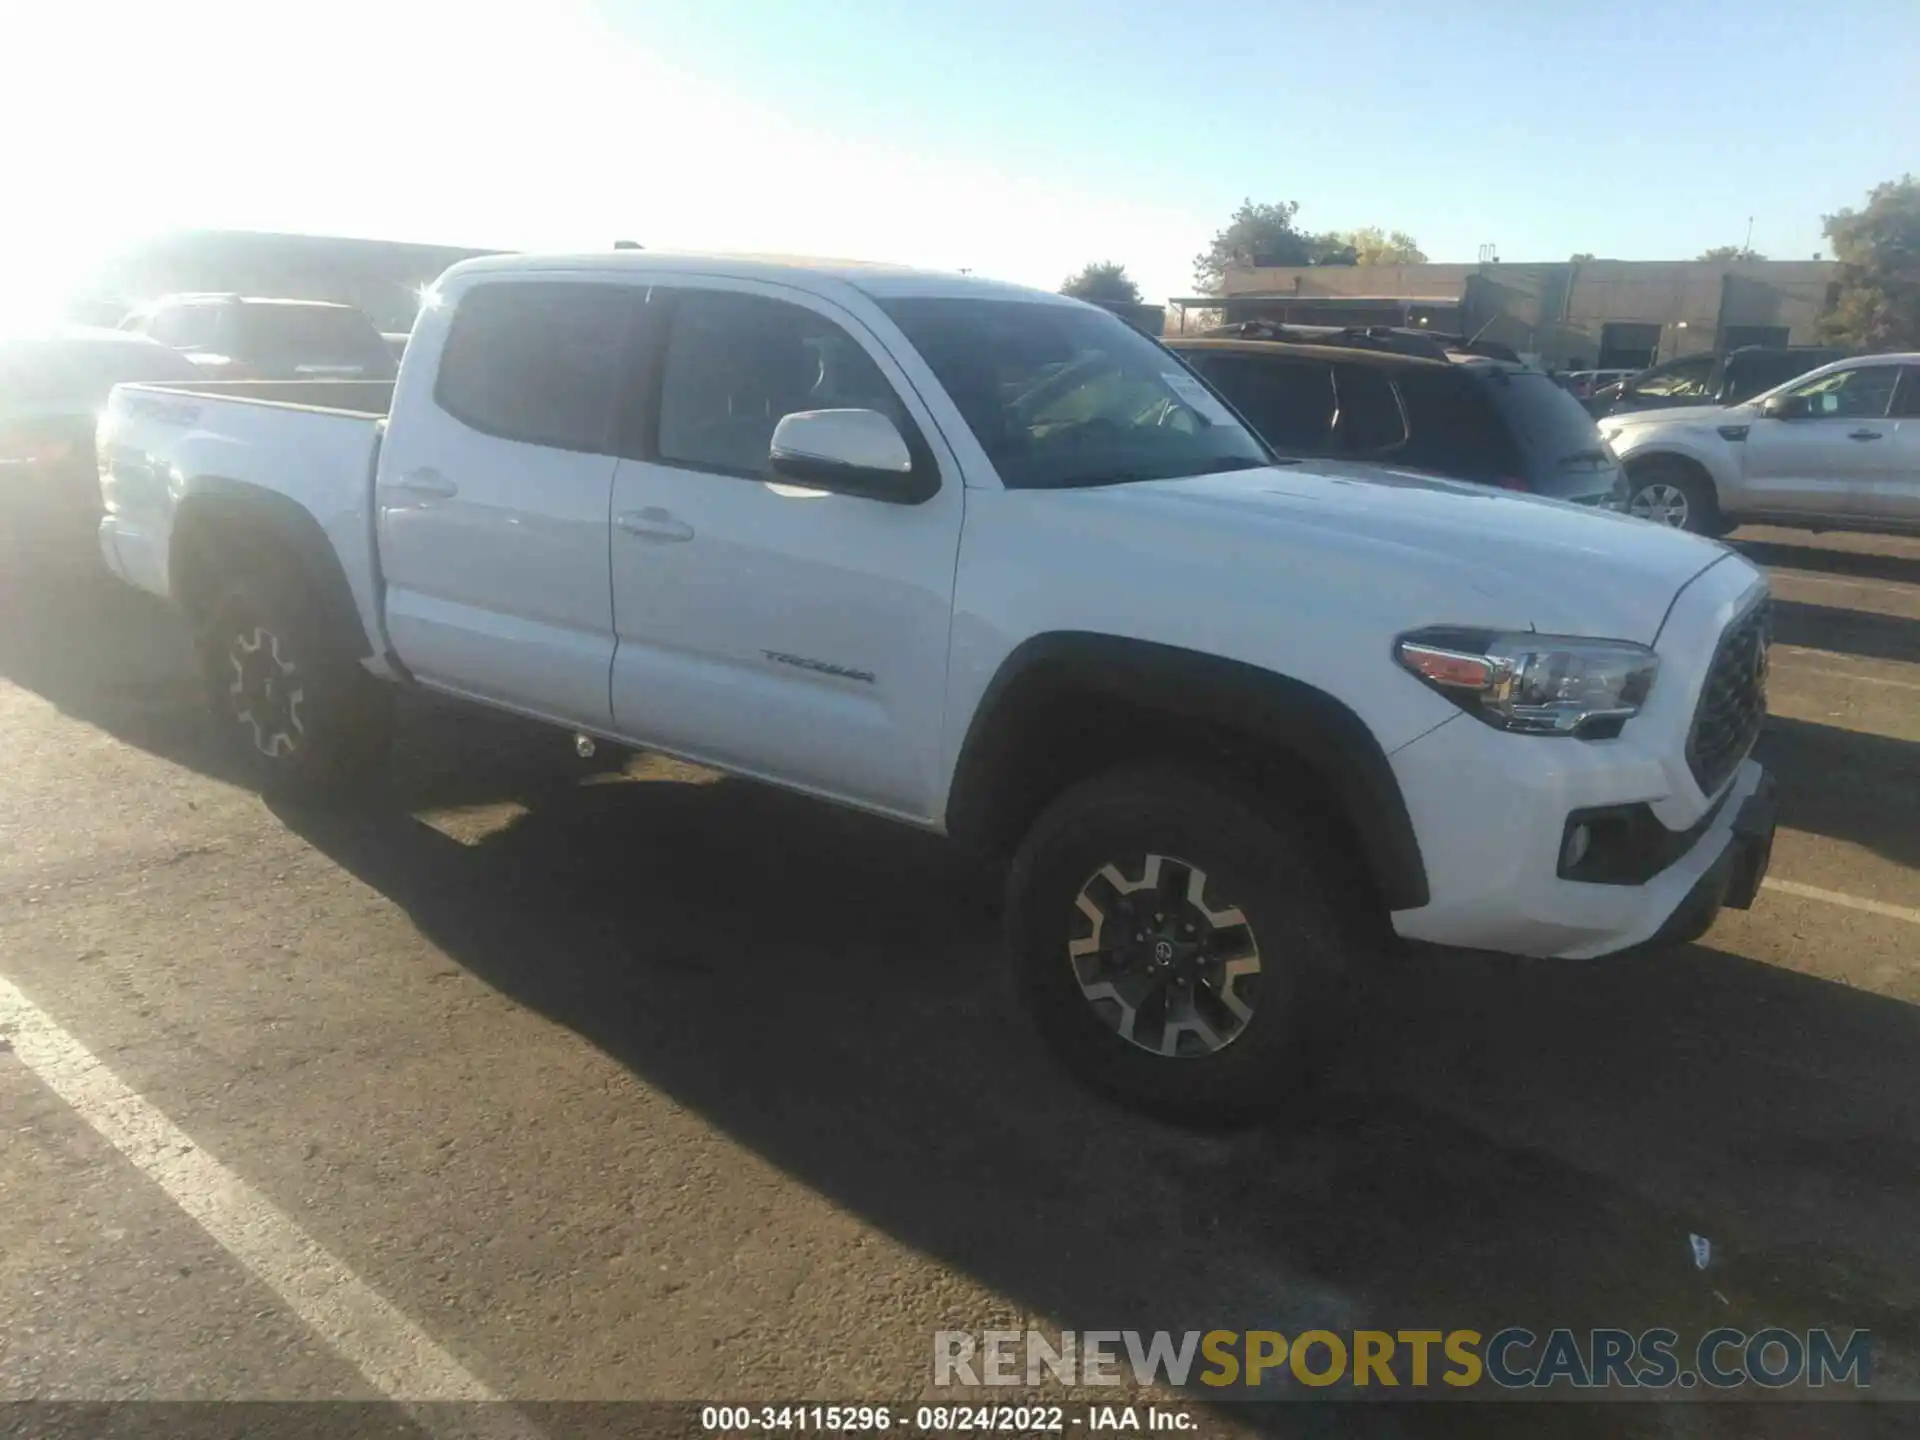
(1241, 462)
(1218, 466)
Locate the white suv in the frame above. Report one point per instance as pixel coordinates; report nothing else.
(1838, 448)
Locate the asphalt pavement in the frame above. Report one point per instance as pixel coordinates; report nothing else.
(552, 1080)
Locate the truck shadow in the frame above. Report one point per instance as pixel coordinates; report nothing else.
(1865, 633)
(1849, 785)
(1507, 1143)
(1850, 564)
(99, 651)
(121, 661)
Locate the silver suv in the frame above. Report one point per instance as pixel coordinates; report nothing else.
(1838, 448)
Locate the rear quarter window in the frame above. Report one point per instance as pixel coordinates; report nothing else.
(1453, 428)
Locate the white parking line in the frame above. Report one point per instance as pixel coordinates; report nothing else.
(1850, 902)
(396, 1356)
(1893, 587)
(1795, 652)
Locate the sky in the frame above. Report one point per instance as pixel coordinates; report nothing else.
(1016, 138)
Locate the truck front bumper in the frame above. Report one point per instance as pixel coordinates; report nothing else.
(1493, 811)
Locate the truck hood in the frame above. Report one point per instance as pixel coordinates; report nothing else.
(1493, 557)
(1675, 415)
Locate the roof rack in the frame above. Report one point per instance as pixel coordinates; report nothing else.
(1392, 339)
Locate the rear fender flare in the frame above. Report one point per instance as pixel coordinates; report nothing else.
(222, 522)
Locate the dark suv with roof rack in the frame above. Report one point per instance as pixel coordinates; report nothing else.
(1441, 404)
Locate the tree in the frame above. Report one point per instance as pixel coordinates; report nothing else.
(1256, 235)
(1580, 257)
(1370, 245)
(1721, 254)
(1104, 283)
(1266, 235)
(1876, 303)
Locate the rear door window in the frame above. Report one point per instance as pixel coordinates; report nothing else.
(537, 362)
(1370, 423)
(1289, 402)
(1453, 429)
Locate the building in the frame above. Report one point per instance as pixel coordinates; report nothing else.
(382, 277)
(1605, 314)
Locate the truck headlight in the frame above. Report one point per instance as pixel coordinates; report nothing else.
(1535, 684)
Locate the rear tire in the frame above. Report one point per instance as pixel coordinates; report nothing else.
(1673, 493)
(290, 701)
(1211, 1037)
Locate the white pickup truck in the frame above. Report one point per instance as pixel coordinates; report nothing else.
(988, 562)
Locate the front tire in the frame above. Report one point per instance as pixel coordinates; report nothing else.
(290, 702)
(1675, 494)
(1180, 945)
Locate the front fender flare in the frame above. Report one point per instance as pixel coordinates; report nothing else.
(1196, 692)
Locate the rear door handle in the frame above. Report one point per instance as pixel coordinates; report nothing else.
(426, 482)
(653, 523)
(1865, 435)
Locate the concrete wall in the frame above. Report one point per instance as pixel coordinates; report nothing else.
(1559, 311)
(1433, 282)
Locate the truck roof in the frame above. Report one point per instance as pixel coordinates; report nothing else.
(232, 297)
(875, 279)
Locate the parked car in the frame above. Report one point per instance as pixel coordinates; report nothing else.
(990, 563)
(1836, 449)
(1413, 401)
(1710, 379)
(53, 386)
(235, 337)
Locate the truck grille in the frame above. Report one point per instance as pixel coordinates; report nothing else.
(1733, 701)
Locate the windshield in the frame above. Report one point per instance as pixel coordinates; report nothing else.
(310, 335)
(1060, 395)
(1554, 430)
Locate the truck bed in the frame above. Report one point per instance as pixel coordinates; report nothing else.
(352, 397)
(163, 448)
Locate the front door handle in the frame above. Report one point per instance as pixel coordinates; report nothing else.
(426, 482)
(653, 523)
(1865, 435)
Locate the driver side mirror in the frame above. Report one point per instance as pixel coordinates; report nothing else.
(850, 452)
(1786, 407)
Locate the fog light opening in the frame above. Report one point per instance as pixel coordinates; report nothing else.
(1579, 841)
